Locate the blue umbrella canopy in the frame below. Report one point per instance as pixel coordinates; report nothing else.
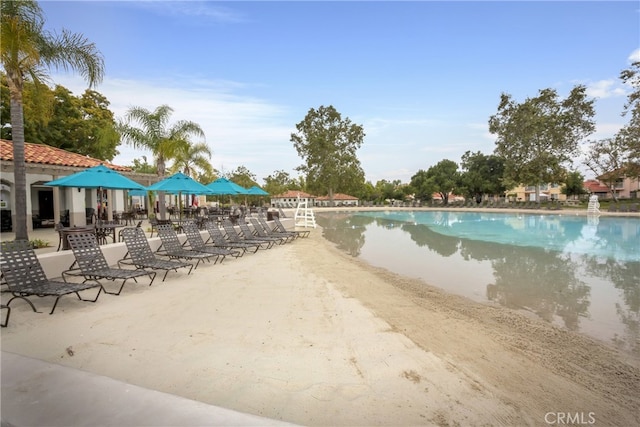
(180, 183)
(222, 186)
(257, 191)
(97, 177)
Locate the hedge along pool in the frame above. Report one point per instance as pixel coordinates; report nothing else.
(575, 271)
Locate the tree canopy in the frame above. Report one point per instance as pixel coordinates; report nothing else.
(441, 178)
(481, 175)
(27, 51)
(539, 137)
(328, 143)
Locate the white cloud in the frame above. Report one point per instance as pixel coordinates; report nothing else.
(635, 56)
(241, 131)
(605, 89)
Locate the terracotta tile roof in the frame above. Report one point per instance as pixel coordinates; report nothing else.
(338, 196)
(292, 194)
(594, 186)
(47, 155)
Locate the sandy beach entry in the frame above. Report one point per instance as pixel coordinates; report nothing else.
(305, 334)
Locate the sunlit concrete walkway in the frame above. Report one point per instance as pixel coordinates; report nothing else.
(36, 393)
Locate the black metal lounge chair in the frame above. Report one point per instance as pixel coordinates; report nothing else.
(281, 228)
(5, 323)
(197, 243)
(253, 234)
(140, 255)
(218, 239)
(93, 265)
(263, 231)
(172, 248)
(234, 236)
(24, 276)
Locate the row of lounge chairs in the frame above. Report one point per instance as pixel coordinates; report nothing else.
(24, 276)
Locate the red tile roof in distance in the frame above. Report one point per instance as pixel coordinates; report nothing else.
(338, 196)
(47, 155)
(594, 186)
(292, 194)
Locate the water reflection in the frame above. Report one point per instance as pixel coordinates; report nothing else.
(558, 275)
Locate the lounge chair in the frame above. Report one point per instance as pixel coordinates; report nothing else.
(253, 234)
(234, 236)
(281, 228)
(194, 238)
(218, 239)
(140, 255)
(25, 276)
(5, 322)
(263, 230)
(93, 265)
(172, 248)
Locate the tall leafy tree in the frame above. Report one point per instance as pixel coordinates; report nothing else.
(629, 135)
(441, 178)
(151, 130)
(539, 137)
(328, 143)
(279, 182)
(481, 175)
(608, 159)
(26, 52)
(243, 177)
(574, 184)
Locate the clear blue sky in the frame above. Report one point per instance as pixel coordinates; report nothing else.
(422, 78)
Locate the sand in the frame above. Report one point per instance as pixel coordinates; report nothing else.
(306, 334)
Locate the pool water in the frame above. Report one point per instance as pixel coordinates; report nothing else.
(575, 271)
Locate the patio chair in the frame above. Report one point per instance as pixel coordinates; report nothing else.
(140, 255)
(197, 243)
(24, 276)
(5, 323)
(172, 248)
(264, 231)
(248, 233)
(121, 232)
(93, 265)
(280, 228)
(218, 239)
(234, 236)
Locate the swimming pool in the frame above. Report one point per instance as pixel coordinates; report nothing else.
(575, 271)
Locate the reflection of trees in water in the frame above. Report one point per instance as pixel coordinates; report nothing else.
(439, 243)
(345, 230)
(542, 281)
(626, 277)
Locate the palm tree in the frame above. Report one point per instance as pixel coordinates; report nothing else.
(26, 51)
(154, 134)
(191, 158)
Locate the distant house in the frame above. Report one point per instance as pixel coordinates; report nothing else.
(547, 192)
(594, 186)
(624, 188)
(45, 163)
(290, 199)
(339, 199)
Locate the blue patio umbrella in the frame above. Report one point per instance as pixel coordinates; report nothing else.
(180, 183)
(222, 186)
(99, 177)
(257, 191)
